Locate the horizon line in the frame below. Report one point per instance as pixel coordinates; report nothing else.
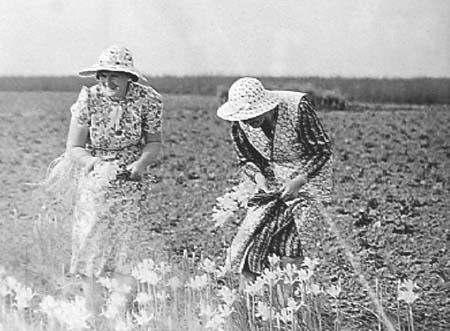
(25, 76)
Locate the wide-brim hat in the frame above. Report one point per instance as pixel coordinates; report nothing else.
(114, 58)
(247, 98)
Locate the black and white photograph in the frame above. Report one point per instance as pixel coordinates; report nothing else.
(240, 165)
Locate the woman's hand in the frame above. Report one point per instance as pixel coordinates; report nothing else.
(137, 170)
(261, 182)
(89, 163)
(292, 187)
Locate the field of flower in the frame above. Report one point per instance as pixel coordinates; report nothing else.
(390, 213)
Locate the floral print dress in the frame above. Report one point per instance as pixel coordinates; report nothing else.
(107, 218)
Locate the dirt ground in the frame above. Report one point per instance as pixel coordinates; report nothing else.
(391, 199)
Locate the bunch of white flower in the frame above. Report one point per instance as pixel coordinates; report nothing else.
(73, 314)
(101, 176)
(147, 272)
(19, 295)
(231, 201)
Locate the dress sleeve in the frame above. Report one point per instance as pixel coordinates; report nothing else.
(312, 135)
(251, 162)
(152, 116)
(80, 109)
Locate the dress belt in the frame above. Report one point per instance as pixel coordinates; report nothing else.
(112, 149)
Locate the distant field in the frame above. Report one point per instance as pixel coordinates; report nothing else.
(421, 91)
(392, 190)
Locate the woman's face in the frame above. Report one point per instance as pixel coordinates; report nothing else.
(113, 84)
(256, 122)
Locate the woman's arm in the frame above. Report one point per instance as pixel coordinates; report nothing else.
(152, 134)
(313, 136)
(76, 143)
(317, 146)
(150, 153)
(79, 132)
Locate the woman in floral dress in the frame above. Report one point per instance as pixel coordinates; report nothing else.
(114, 134)
(284, 150)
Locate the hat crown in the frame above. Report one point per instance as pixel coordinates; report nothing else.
(246, 91)
(116, 56)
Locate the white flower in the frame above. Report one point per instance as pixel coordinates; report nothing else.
(216, 322)
(23, 297)
(4, 289)
(143, 298)
(73, 314)
(264, 311)
(109, 283)
(123, 324)
(225, 310)
(117, 299)
(292, 305)
(231, 201)
(174, 283)
(290, 270)
(311, 263)
(228, 295)
(405, 291)
(164, 268)
(12, 283)
(303, 275)
(111, 312)
(270, 276)
(208, 266)
(315, 289)
(116, 304)
(48, 305)
(255, 287)
(220, 216)
(147, 264)
(273, 260)
(113, 285)
(162, 296)
(145, 272)
(334, 290)
(206, 311)
(198, 282)
(143, 317)
(221, 271)
(150, 277)
(104, 172)
(284, 315)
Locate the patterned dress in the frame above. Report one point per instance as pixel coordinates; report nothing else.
(298, 145)
(107, 224)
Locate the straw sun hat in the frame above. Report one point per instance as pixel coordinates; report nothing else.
(247, 98)
(114, 58)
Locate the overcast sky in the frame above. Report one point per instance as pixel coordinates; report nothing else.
(350, 38)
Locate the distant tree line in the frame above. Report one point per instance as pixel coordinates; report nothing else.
(384, 90)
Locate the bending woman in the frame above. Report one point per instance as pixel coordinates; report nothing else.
(282, 148)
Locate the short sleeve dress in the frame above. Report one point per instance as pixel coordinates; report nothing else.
(106, 225)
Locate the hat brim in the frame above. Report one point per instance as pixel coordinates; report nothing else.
(229, 112)
(92, 71)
